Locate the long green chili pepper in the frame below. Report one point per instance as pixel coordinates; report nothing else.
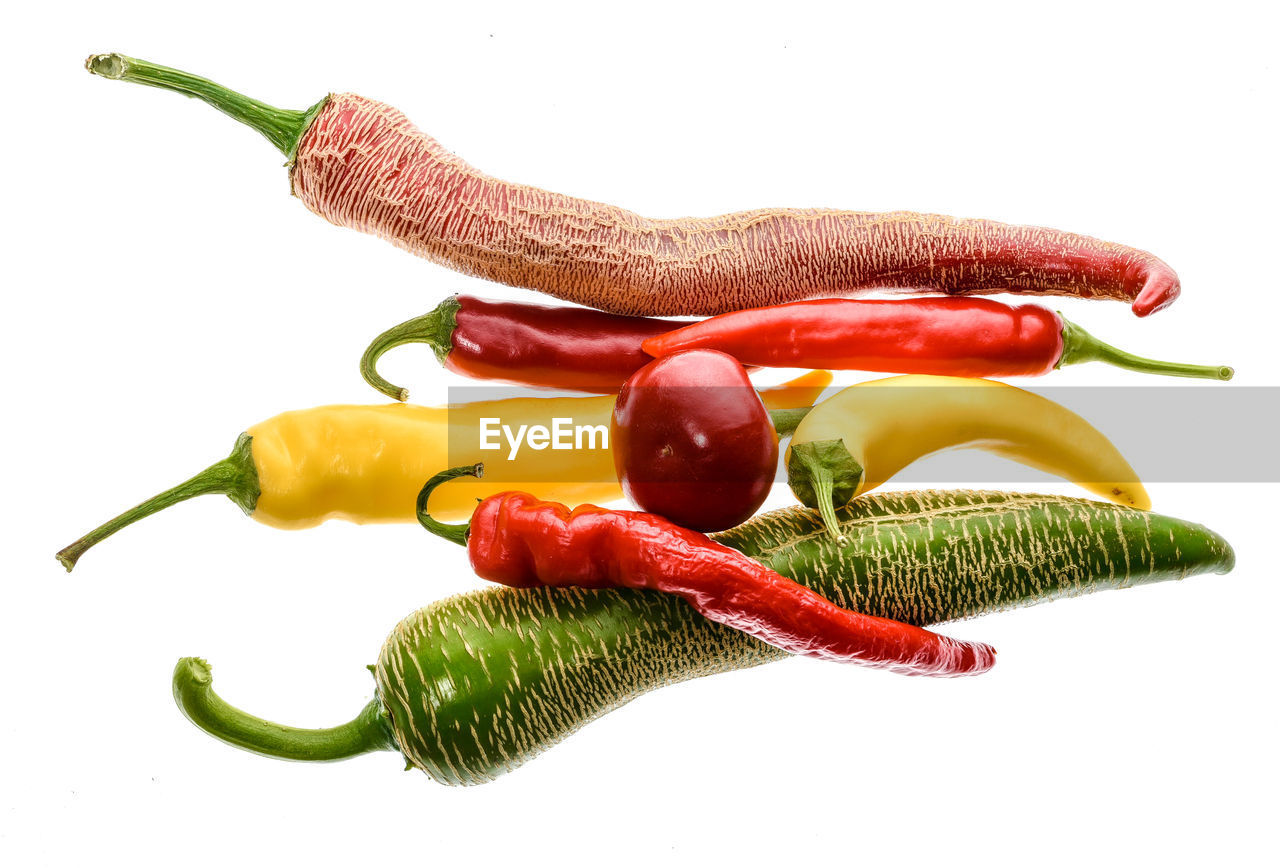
(472, 687)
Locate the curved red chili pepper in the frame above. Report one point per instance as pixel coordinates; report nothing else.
(552, 347)
(959, 337)
(517, 540)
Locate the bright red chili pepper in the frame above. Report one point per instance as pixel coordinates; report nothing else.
(961, 337)
(517, 540)
(553, 347)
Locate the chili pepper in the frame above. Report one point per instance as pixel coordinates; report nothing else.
(961, 337)
(528, 344)
(518, 540)
(474, 686)
(362, 164)
(692, 443)
(365, 464)
(860, 437)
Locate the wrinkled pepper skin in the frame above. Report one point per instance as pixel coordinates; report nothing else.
(472, 687)
(361, 163)
(520, 541)
(478, 684)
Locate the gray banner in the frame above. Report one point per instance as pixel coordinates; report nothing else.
(1200, 433)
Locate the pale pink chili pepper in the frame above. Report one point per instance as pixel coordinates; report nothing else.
(362, 164)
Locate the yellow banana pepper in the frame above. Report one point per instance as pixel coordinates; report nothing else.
(861, 437)
(388, 452)
(366, 464)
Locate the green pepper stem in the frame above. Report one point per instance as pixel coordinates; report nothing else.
(235, 476)
(824, 488)
(823, 474)
(284, 128)
(1080, 346)
(457, 533)
(434, 329)
(193, 691)
(786, 420)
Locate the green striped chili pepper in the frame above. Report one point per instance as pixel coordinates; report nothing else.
(472, 687)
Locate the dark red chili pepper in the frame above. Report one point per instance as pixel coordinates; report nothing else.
(692, 441)
(961, 337)
(554, 347)
(517, 540)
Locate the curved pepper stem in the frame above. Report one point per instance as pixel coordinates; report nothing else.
(823, 475)
(434, 329)
(457, 533)
(1080, 346)
(284, 128)
(235, 476)
(193, 691)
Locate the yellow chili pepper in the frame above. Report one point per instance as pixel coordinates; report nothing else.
(366, 464)
(861, 437)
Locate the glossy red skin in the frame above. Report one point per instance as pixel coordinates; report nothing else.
(550, 347)
(959, 337)
(692, 441)
(518, 540)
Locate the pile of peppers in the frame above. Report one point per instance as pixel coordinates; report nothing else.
(696, 450)
(693, 445)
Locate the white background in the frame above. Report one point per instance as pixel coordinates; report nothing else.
(163, 292)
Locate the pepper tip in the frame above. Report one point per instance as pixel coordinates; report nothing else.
(193, 670)
(1159, 291)
(106, 65)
